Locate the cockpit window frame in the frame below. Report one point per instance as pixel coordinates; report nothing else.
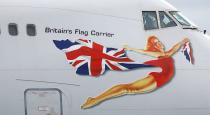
(170, 18)
(156, 18)
(189, 24)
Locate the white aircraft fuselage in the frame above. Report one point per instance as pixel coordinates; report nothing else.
(36, 78)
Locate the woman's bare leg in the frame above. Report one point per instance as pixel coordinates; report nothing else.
(140, 86)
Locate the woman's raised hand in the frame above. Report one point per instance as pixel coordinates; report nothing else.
(126, 47)
(185, 40)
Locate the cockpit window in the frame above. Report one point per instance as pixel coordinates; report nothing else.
(180, 18)
(150, 20)
(165, 20)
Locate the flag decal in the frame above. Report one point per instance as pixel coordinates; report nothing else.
(187, 51)
(93, 59)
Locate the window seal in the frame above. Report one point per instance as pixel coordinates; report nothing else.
(156, 26)
(31, 30)
(13, 29)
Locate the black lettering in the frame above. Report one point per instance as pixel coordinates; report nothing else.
(105, 34)
(78, 32)
(70, 31)
(47, 30)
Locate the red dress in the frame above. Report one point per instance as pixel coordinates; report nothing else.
(167, 66)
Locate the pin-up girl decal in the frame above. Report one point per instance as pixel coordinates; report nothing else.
(152, 81)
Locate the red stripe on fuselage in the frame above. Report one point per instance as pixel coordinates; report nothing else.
(96, 56)
(84, 40)
(119, 53)
(86, 51)
(96, 60)
(77, 62)
(112, 66)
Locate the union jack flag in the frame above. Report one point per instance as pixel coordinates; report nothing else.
(187, 51)
(91, 58)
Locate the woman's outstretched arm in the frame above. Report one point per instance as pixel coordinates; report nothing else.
(176, 47)
(145, 52)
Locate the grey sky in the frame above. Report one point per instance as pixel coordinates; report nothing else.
(198, 11)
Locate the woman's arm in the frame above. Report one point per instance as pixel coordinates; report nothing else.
(176, 47)
(145, 52)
